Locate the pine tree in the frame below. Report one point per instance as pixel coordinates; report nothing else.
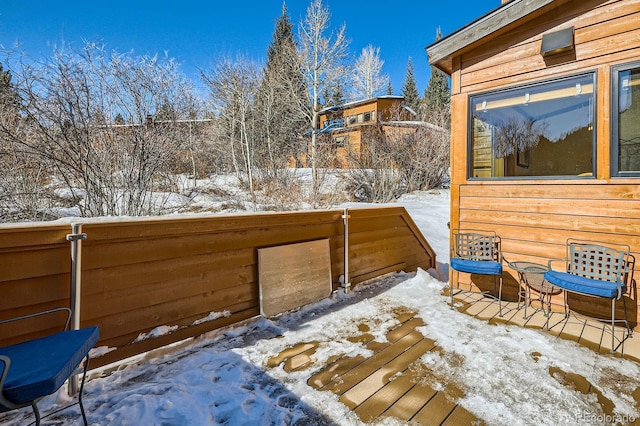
(8, 95)
(119, 120)
(281, 90)
(166, 111)
(334, 96)
(410, 90)
(437, 95)
(389, 88)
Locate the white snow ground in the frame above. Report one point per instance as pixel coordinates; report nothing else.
(223, 377)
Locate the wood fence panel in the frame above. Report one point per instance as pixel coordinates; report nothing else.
(34, 277)
(168, 279)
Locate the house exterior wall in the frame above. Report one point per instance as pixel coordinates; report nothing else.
(534, 217)
(379, 109)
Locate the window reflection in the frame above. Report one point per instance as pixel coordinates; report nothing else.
(540, 130)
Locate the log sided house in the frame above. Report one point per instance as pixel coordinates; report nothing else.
(346, 124)
(545, 140)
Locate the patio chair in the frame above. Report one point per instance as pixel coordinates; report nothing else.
(476, 252)
(595, 270)
(36, 368)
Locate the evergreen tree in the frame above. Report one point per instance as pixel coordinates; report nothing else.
(166, 112)
(410, 90)
(389, 88)
(8, 95)
(334, 96)
(119, 120)
(281, 91)
(437, 95)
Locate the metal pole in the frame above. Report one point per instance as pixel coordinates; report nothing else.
(345, 218)
(75, 238)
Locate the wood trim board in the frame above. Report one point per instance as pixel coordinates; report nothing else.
(293, 275)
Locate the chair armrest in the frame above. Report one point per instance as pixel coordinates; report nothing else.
(37, 314)
(6, 361)
(552, 261)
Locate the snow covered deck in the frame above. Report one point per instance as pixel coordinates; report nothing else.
(395, 383)
(388, 353)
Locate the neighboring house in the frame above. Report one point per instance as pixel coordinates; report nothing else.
(346, 124)
(546, 125)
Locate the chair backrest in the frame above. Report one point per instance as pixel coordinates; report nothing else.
(598, 262)
(476, 245)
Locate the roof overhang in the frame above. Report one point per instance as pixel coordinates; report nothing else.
(442, 52)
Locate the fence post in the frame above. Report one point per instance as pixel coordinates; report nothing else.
(345, 218)
(75, 238)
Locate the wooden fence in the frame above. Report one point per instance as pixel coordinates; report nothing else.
(191, 274)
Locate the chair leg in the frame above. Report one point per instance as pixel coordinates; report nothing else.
(613, 325)
(36, 412)
(499, 295)
(453, 274)
(626, 320)
(84, 376)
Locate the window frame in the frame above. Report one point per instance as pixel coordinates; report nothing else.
(594, 148)
(341, 141)
(614, 110)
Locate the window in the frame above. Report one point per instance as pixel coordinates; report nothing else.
(352, 119)
(341, 140)
(360, 118)
(625, 120)
(540, 130)
(367, 116)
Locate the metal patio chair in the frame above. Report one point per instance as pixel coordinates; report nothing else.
(596, 270)
(36, 368)
(476, 252)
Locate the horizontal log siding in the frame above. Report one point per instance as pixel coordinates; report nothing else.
(535, 217)
(605, 32)
(534, 221)
(141, 274)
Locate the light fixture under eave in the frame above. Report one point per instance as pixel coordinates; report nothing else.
(557, 42)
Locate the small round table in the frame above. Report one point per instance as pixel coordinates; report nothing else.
(531, 276)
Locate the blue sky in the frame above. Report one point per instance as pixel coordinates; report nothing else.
(198, 32)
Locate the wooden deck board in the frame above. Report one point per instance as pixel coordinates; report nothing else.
(390, 382)
(435, 411)
(367, 387)
(460, 416)
(406, 328)
(362, 371)
(384, 398)
(411, 402)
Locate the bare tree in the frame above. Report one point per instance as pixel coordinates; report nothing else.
(367, 79)
(321, 60)
(68, 107)
(233, 85)
(398, 157)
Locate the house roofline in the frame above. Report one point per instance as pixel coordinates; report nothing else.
(360, 102)
(440, 53)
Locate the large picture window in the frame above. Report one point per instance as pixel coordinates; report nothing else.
(625, 120)
(540, 130)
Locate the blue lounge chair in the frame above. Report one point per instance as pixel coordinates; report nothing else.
(595, 270)
(36, 368)
(476, 252)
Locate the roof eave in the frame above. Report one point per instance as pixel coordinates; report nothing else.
(440, 54)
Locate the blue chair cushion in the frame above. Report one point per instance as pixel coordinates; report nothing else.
(583, 285)
(40, 366)
(483, 267)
